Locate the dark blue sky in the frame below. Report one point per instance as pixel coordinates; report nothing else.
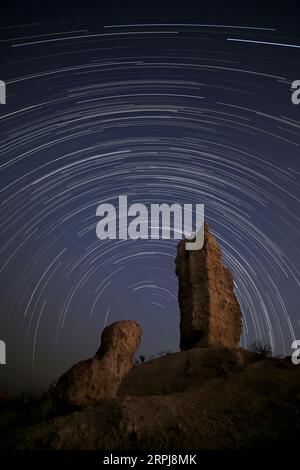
(181, 104)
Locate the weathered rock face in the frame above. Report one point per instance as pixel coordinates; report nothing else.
(210, 312)
(90, 382)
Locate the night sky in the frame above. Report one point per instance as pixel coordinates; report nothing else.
(166, 104)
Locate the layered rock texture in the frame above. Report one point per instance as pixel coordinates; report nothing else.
(94, 380)
(210, 312)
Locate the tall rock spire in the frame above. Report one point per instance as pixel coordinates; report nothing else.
(210, 312)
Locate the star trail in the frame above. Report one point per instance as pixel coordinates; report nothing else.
(193, 113)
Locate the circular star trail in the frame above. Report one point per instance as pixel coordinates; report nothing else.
(187, 113)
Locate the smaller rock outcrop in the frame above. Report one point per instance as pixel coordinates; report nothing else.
(94, 380)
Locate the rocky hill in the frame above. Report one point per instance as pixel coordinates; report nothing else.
(210, 395)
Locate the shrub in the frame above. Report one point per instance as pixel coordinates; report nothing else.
(261, 348)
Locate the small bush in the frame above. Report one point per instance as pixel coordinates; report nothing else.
(140, 360)
(263, 349)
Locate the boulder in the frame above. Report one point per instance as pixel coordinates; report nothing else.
(94, 380)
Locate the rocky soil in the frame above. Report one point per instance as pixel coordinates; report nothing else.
(180, 401)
